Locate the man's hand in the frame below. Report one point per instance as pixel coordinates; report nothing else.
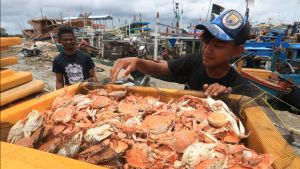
(216, 89)
(129, 64)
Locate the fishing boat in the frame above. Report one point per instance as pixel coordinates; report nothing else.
(267, 80)
(280, 77)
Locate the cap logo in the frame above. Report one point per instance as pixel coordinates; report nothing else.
(232, 20)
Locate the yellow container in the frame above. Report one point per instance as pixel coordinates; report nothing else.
(264, 138)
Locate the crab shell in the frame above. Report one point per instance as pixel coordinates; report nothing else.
(63, 114)
(35, 121)
(98, 133)
(16, 132)
(134, 121)
(220, 107)
(139, 156)
(24, 128)
(196, 153)
(217, 119)
(158, 124)
(71, 148)
(80, 99)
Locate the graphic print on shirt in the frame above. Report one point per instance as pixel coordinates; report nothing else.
(74, 73)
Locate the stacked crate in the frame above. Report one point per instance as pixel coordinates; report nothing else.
(15, 85)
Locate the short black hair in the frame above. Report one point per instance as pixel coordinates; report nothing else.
(207, 36)
(243, 35)
(64, 30)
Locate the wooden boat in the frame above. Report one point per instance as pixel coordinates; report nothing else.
(45, 29)
(262, 78)
(264, 138)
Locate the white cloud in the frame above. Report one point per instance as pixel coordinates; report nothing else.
(18, 12)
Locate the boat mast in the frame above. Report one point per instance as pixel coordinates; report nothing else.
(156, 37)
(209, 11)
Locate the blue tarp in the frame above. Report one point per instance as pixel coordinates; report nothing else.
(172, 42)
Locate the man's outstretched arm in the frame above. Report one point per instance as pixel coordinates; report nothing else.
(145, 66)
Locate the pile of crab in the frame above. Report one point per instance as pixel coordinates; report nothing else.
(118, 130)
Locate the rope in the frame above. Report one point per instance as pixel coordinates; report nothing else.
(285, 126)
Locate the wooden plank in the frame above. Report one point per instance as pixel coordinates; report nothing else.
(14, 80)
(4, 48)
(16, 157)
(21, 91)
(18, 111)
(8, 61)
(266, 138)
(10, 41)
(6, 72)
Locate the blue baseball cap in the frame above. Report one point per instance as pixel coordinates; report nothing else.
(229, 26)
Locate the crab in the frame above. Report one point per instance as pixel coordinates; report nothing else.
(16, 132)
(266, 162)
(177, 141)
(157, 124)
(220, 107)
(119, 94)
(104, 116)
(119, 147)
(197, 152)
(39, 134)
(52, 145)
(80, 100)
(99, 102)
(190, 103)
(98, 134)
(134, 121)
(127, 107)
(166, 154)
(71, 147)
(24, 128)
(213, 163)
(92, 113)
(92, 150)
(34, 120)
(63, 114)
(62, 100)
(140, 156)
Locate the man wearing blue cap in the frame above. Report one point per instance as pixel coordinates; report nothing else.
(222, 39)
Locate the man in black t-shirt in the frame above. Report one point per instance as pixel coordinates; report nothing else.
(210, 71)
(71, 66)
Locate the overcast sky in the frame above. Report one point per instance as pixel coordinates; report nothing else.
(16, 13)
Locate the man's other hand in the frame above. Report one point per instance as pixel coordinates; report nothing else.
(216, 89)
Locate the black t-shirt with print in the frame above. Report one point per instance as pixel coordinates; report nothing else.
(190, 70)
(75, 68)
